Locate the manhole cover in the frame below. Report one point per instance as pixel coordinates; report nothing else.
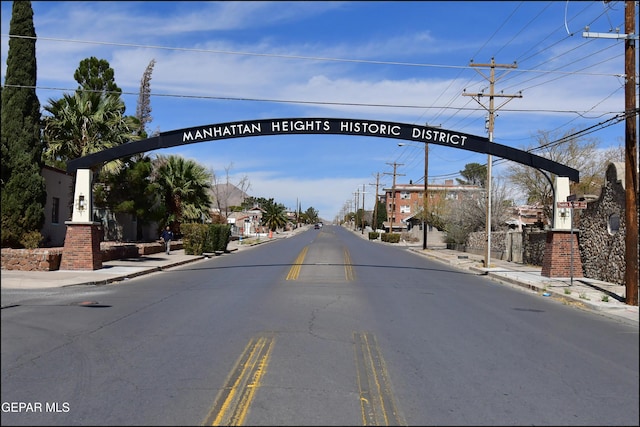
(90, 304)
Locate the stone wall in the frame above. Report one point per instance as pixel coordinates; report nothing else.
(476, 244)
(48, 259)
(31, 259)
(534, 242)
(532, 250)
(112, 252)
(602, 230)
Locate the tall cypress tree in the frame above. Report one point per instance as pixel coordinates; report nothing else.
(23, 186)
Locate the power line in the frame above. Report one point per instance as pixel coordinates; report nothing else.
(275, 55)
(289, 101)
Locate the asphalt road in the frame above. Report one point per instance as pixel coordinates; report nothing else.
(323, 328)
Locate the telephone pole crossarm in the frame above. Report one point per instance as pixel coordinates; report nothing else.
(490, 126)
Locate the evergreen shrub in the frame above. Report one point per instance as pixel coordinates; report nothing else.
(391, 237)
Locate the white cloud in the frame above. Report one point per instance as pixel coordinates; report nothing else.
(429, 34)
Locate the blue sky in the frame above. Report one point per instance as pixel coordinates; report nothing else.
(405, 62)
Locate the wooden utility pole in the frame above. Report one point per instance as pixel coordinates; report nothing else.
(631, 153)
(393, 192)
(362, 217)
(375, 206)
(425, 202)
(632, 205)
(490, 125)
(355, 212)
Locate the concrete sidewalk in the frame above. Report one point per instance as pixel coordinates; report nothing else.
(604, 298)
(116, 270)
(111, 271)
(588, 294)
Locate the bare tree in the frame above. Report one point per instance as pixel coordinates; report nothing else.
(464, 216)
(579, 153)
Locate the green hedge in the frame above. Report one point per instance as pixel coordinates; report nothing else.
(373, 235)
(205, 238)
(390, 237)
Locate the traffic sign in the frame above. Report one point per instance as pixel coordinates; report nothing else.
(564, 204)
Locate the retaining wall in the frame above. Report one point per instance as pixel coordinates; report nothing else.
(48, 259)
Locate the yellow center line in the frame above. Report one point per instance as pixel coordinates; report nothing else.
(376, 397)
(233, 401)
(348, 267)
(294, 271)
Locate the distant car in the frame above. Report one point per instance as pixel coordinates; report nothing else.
(317, 226)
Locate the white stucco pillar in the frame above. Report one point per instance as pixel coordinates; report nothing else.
(561, 216)
(82, 209)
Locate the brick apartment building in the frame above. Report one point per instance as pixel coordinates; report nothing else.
(409, 201)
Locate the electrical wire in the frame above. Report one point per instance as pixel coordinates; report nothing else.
(464, 116)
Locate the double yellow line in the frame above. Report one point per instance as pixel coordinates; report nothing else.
(232, 404)
(376, 398)
(377, 402)
(294, 272)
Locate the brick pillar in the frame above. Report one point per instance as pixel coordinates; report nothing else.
(557, 254)
(81, 247)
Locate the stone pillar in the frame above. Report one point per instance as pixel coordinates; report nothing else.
(82, 241)
(81, 247)
(557, 254)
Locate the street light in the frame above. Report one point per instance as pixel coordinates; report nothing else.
(426, 193)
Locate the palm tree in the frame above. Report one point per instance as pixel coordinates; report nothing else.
(312, 215)
(184, 187)
(85, 123)
(274, 215)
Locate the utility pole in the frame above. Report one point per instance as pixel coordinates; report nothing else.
(375, 206)
(355, 212)
(490, 125)
(425, 202)
(362, 218)
(393, 192)
(631, 157)
(632, 205)
(426, 215)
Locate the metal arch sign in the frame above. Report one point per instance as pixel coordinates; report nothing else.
(323, 126)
